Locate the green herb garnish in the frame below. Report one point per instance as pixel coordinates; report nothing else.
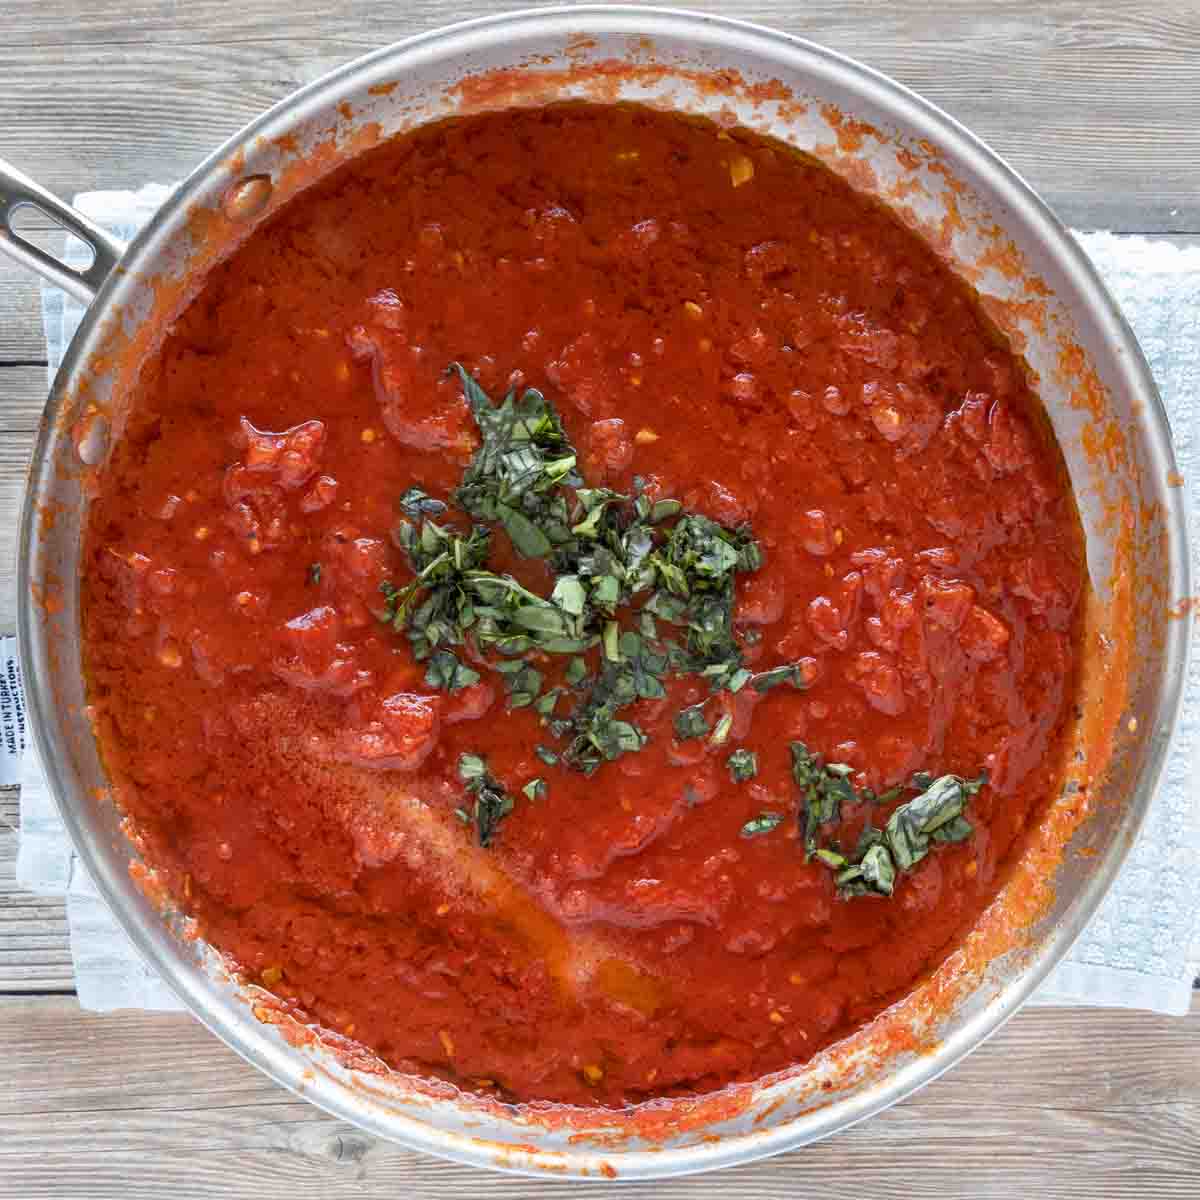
(314, 574)
(513, 477)
(441, 559)
(609, 553)
(598, 734)
(522, 681)
(764, 681)
(824, 787)
(695, 571)
(535, 789)
(763, 823)
(418, 504)
(446, 672)
(743, 765)
(721, 731)
(870, 870)
(492, 802)
(935, 814)
(691, 722)
(453, 595)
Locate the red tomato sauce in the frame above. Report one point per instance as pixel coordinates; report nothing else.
(735, 326)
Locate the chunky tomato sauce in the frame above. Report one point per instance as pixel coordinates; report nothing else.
(736, 328)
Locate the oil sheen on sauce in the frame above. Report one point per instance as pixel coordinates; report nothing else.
(735, 327)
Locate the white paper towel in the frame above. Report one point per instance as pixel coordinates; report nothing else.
(1141, 950)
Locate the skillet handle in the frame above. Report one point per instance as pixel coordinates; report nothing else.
(17, 190)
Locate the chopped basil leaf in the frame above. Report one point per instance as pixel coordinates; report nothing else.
(878, 870)
(606, 593)
(418, 503)
(471, 767)
(522, 682)
(643, 665)
(720, 734)
(529, 540)
(548, 756)
(599, 735)
(691, 722)
(610, 641)
(869, 797)
(869, 837)
(314, 574)
(873, 875)
(606, 551)
(763, 823)
(492, 802)
(934, 815)
(695, 571)
(452, 597)
(911, 827)
(823, 789)
(569, 595)
(446, 672)
(957, 830)
(764, 681)
(666, 607)
(523, 457)
(593, 506)
(535, 789)
(743, 765)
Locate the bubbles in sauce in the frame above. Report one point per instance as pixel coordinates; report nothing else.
(247, 198)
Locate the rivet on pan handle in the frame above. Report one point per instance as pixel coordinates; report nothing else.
(17, 190)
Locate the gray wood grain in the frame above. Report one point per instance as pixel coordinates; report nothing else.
(1061, 1103)
(1098, 104)
(21, 337)
(22, 396)
(34, 952)
(14, 458)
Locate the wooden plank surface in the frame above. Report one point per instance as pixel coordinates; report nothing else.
(35, 955)
(21, 338)
(22, 396)
(1096, 103)
(19, 382)
(1061, 1103)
